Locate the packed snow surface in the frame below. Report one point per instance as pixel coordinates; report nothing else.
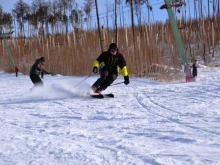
(147, 122)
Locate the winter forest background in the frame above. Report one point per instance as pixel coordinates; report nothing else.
(69, 37)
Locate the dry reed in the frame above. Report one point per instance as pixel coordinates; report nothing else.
(153, 54)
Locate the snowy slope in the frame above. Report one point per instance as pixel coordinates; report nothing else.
(146, 123)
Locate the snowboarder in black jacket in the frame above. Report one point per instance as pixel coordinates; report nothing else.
(112, 60)
(36, 70)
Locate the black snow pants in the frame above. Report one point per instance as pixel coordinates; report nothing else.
(105, 80)
(36, 80)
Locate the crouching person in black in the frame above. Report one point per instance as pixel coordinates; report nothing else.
(111, 60)
(36, 71)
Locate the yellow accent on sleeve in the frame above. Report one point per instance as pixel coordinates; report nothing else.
(118, 68)
(96, 63)
(124, 71)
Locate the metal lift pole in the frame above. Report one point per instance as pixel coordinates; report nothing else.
(3, 36)
(176, 31)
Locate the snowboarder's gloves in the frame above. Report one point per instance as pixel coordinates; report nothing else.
(127, 81)
(95, 69)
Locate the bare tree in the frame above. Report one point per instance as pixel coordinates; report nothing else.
(1, 14)
(97, 14)
(87, 19)
(214, 7)
(119, 3)
(54, 15)
(88, 5)
(20, 11)
(218, 10)
(41, 9)
(137, 4)
(81, 15)
(65, 4)
(109, 8)
(32, 23)
(200, 6)
(130, 2)
(75, 18)
(5, 20)
(116, 23)
(189, 10)
(149, 9)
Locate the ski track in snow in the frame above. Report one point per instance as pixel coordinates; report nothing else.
(146, 123)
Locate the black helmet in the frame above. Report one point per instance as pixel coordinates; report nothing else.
(42, 59)
(113, 47)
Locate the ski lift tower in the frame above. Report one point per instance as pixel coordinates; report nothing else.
(176, 33)
(5, 36)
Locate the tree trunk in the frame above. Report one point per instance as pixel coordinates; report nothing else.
(97, 14)
(116, 26)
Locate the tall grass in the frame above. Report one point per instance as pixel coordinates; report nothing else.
(154, 53)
